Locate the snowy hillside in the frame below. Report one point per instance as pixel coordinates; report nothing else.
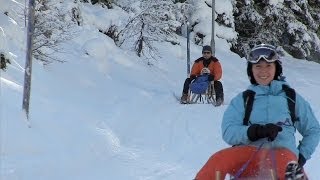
(105, 114)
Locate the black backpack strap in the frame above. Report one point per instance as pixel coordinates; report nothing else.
(291, 99)
(248, 98)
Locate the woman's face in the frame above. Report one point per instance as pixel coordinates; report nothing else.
(263, 72)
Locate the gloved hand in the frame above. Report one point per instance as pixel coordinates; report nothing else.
(211, 77)
(302, 160)
(269, 131)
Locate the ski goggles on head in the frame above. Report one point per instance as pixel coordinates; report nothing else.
(266, 53)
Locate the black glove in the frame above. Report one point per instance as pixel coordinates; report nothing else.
(211, 77)
(257, 131)
(301, 161)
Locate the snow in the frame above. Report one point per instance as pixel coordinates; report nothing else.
(276, 2)
(106, 18)
(105, 114)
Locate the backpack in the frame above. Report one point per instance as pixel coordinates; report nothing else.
(200, 84)
(248, 98)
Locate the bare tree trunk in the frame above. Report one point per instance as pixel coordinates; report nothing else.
(28, 65)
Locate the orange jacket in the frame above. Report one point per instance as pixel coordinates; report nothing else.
(214, 66)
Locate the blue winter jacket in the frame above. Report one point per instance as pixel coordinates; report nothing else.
(270, 106)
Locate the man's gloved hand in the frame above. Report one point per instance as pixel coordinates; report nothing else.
(302, 160)
(211, 77)
(269, 131)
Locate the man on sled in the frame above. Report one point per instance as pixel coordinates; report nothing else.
(210, 67)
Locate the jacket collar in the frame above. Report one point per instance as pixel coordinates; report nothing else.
(274, 88)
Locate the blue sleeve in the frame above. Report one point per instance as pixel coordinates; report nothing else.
(233, 130)
(308, 126)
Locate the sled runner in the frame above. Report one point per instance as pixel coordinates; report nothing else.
(208, 96)
(202, 90)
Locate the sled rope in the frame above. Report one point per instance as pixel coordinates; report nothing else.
(274, 164)
(244, 167)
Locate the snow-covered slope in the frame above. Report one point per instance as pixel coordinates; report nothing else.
(104, 114)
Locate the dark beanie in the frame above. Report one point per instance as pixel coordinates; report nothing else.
(206, 48)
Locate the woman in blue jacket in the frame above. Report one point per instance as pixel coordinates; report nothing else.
(266, 147)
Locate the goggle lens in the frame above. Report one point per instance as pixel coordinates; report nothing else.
(267, 54)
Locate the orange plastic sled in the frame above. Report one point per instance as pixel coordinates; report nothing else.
(263, 164)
